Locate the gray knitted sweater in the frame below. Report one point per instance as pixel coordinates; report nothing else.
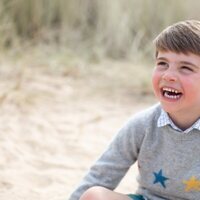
(169, 163)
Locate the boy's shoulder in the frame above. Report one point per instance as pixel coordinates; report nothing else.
(147, 114)
(145, 118)
(140, 124)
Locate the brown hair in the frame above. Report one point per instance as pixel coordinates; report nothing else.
(182, 37)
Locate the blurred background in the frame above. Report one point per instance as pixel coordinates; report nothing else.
(91, 29)
(67, 34)
(71, 72)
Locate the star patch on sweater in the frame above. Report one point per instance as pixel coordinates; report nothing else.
(192, 184)
(159, 178)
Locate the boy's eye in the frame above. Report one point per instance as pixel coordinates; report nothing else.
(185, 68)
(162, 63)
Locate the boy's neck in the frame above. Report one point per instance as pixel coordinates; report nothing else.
(183, 121)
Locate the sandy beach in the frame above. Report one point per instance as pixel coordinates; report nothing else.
(52, 128)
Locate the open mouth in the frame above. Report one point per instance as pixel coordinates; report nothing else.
(171, 93)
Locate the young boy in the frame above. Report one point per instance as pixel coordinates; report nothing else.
(164, 139)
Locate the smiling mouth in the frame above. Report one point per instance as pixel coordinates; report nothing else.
(171, 93)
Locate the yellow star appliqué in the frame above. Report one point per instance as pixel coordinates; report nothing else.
(192, 184)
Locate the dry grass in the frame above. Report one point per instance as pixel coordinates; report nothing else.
(98, 29)
(100, 77)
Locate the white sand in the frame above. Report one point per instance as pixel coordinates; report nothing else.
(51, 131)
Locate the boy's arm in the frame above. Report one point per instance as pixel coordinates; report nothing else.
(111, 167)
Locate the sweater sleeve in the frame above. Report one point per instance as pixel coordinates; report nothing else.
(113, 164)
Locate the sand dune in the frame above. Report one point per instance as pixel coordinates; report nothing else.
(51, 130)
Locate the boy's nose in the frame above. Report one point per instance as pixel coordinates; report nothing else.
(170, 76)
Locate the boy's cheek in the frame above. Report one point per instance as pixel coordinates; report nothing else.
(155, 85)
(155, 80)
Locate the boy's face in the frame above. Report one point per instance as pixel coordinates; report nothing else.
(176, 82)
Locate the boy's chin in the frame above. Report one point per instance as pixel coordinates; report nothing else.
(169, 108)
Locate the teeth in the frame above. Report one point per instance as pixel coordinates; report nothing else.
(171, 93)
(170, 90)
(172, 96)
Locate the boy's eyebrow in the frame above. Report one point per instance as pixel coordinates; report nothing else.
(182, 62)
(161, 58)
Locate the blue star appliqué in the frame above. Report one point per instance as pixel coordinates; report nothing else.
(159, 178)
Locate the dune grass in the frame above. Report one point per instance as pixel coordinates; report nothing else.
(107, 43)
(95, 28)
